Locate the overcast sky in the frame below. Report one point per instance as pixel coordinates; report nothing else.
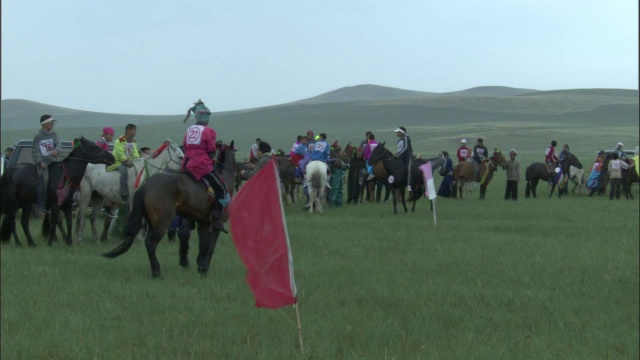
(158, 57)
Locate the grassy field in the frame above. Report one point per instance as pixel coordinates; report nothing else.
(542, 278)
(533, 279)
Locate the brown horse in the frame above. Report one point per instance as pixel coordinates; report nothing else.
(287, 176)
(463, 173)
(163, 196)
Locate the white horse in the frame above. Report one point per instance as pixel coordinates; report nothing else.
(577, 178)
(107, 184)
(316, 183)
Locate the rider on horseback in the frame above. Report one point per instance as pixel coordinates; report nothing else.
(263, 156)
(45, 151)
(551, 160)
(199, 154)
(405, 151)
(125, 149)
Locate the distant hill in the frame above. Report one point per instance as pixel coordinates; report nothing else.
(363, 93)
(18, 114)
(491, 91)
(505, 117)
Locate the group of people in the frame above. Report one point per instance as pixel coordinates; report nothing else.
(478, 155)
(200, 149)
(617, 163)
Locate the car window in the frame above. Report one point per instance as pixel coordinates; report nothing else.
(24, 154)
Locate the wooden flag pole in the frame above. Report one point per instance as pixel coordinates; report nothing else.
(435, 222)
(299, 328)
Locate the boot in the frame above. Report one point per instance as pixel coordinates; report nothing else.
(216, 214)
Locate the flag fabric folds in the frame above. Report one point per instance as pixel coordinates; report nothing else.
(430, 188)
(259, 231)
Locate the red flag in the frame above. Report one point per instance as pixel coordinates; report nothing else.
(259, 231)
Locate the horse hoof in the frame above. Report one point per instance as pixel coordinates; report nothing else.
(184, 263)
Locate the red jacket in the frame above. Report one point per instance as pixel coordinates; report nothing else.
(199, 141)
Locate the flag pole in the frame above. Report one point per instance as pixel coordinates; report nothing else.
(435, 222)
(299, 328)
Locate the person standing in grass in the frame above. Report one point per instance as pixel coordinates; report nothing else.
(447, 176)
(44, 152)
(595, 176)
(513, 176)
(368, 150)
(615, 175)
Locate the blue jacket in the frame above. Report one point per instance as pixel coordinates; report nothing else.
(320, 151)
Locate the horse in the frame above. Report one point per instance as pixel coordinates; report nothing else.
(463, 173)
(20, 184)
(538, 171)
(316, 183)
(576, 176)
(107, 184)
(163, 196)
(398, 175)
(287, 173)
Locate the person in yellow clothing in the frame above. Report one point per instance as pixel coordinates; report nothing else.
(125, 149)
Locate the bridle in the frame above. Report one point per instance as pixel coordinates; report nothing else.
(384, 152)
(81, 148)
(171, 159)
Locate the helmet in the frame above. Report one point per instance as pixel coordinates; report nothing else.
(463, 141)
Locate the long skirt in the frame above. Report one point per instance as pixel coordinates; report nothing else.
(445, 186)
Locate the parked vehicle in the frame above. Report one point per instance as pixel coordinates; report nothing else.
(22, 151)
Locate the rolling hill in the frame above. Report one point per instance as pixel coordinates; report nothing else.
(506, 117)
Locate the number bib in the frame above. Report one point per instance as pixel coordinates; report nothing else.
(46, 147)
(194, 134)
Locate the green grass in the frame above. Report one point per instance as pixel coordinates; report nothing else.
(534, 279)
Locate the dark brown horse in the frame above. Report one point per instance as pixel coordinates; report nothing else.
(163, 196)
(398, 175)
(539, 171)
(20, 183)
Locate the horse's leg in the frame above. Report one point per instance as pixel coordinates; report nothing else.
(402, 198)
(394, 195)
(208, 240)
(97, 205)
(151, 243)
(184, 232)
(534, 185)
(68, 215)
(10, 220)
(105, 228)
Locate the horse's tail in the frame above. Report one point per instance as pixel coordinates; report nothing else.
(6, 231)
(527, 191)
(316, 179)
(133, 225)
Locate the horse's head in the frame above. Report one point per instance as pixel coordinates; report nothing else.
(227, 158)
(498, 158)
(169, 154)
(89, 151)
(380, 153)
(573, 161)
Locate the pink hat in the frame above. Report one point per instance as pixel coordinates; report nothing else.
(108, 130)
